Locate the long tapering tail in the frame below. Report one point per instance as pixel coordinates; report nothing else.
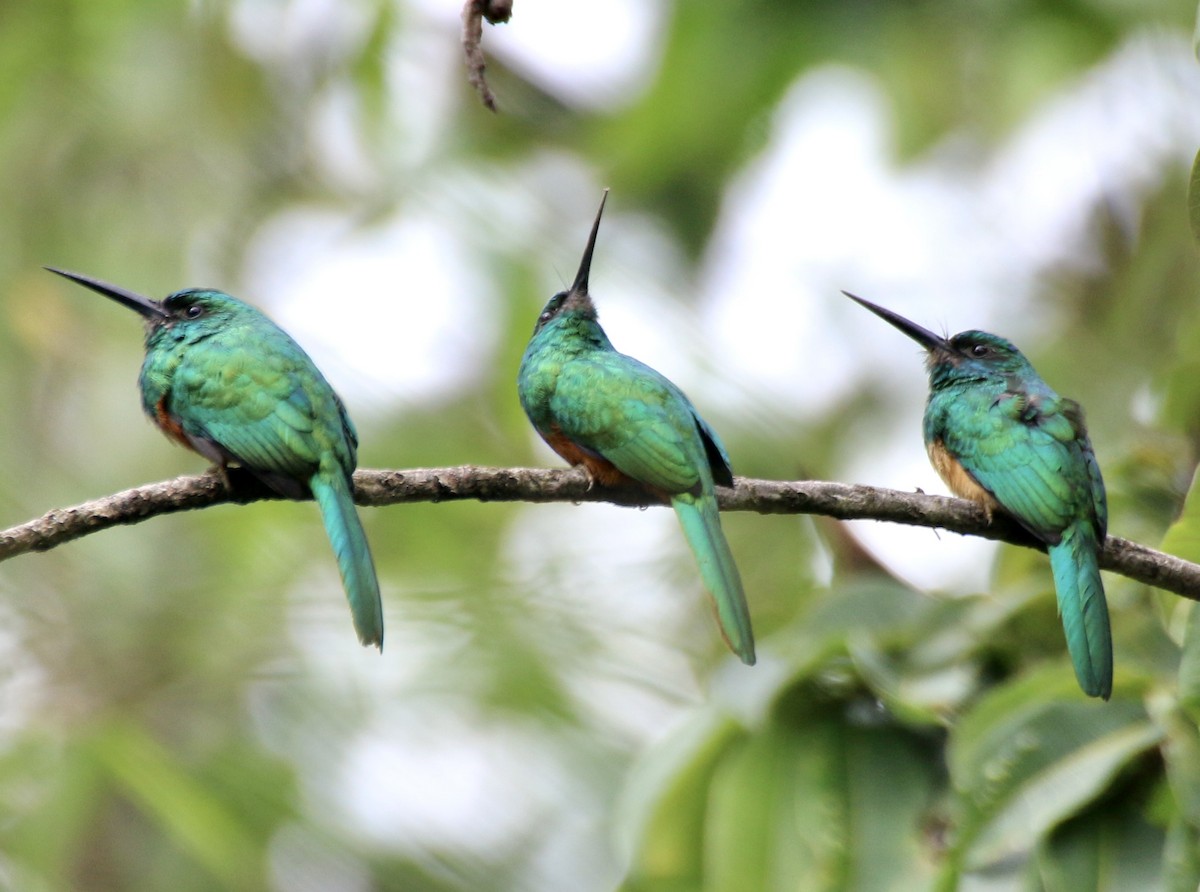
(332, 492)
(702, 526)
(1084, 610)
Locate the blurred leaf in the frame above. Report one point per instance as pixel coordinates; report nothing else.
(1196, 35)
(1181, 753)
(915, 696)
(1181, 858)
(1189, 666)
(1194, 198)
(783, 805)
(1183, 537)
(188, 811)
(772, 810)
(868, 607)
(1031, 754)
(920, 654)
(666, 802)
(66, 785)
(1109, 850)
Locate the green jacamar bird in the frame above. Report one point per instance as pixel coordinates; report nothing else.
(628, 425)
(223, 380)
(1000, 436)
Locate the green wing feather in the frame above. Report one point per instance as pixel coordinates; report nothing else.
(273, 413)
(265, 404)
(1031, 457)
(1033, 454)
(625, 411)
(631, 415)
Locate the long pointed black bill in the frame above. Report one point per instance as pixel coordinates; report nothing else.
(922, 336)
(585, 265)
(151, 309)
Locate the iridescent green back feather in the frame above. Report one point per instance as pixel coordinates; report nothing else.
(572, 383)
(243, 391)
(1029, 448)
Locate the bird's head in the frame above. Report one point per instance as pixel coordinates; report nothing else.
(967, 355)
(184, 311)
(576, 300)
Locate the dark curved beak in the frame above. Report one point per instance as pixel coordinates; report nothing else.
(147, 307)
(922, 336)
(580, 285)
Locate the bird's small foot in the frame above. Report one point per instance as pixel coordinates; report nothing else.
(223, 472)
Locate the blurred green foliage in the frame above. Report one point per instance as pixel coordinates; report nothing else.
(183, 705)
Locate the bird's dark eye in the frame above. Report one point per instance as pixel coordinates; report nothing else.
(194, 311)
(545, 317)
(980, 350)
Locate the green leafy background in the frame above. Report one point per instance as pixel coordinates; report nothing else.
(183, 704)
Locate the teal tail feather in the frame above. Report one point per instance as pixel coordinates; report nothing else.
(349, 543)
(1084, 610)
(702, 526)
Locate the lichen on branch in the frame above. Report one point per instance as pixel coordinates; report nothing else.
(843, 501)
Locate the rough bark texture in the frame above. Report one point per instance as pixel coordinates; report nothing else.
(838, 500)
(473, 14)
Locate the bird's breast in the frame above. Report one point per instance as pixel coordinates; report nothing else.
(602, 470)
(169, 423)
(958, 478)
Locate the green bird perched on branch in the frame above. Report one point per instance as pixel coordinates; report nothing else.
(998, 435)
(627, 424)
(223, 380)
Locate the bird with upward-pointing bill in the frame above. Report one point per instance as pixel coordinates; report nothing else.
(628, 425)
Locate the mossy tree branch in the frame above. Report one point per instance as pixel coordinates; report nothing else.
(838, 500)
